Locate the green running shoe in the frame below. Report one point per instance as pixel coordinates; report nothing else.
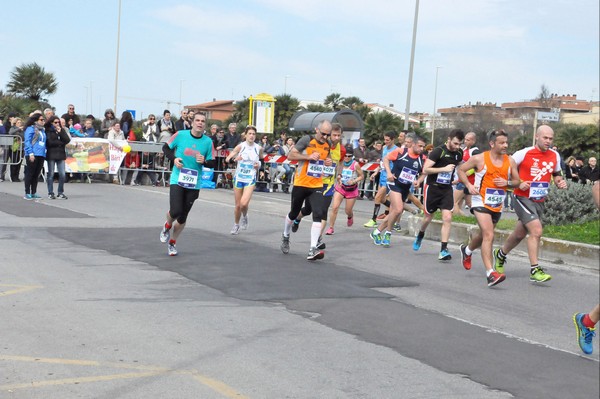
(370, 224)
(539, 276)
(376, 238)
(385, 241)
(498, 263)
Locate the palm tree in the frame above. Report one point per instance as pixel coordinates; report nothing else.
(285, 107)
(313, 107)
(32, 81)
(377, 123)
(352, 102)
(334, 101)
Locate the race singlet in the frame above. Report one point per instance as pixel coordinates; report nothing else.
(188, 178)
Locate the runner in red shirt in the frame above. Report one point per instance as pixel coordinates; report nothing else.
(538, 165)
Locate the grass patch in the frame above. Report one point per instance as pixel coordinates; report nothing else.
(586, 233)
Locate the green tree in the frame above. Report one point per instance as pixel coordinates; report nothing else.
(576, 140)
(240, 114)
(352, 102)
(19, 105)
(32, 81)
(285, 107)
(316, 108)
(334, 101)
(377, 123)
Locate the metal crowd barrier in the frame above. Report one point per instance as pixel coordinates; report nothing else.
(6, 148)
(161, 164)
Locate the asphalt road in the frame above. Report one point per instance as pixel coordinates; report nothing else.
(92, 307)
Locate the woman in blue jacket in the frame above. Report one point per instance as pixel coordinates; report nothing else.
(35, 153)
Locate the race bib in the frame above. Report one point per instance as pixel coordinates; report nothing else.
(329, 170)
(188, 178)
(346, 176)
(315, 168)
(494, 197)
(245, 173)
(444, 178)
(407, 176)
(538, 191)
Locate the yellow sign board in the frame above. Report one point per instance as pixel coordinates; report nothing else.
(262, 112)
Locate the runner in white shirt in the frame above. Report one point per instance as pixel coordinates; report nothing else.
(248, 155)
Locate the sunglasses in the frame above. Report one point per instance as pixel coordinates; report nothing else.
(56, 122)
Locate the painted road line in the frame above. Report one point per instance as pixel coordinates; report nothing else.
(19, 289)
(148, 371)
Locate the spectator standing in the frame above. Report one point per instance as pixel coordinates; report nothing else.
(578, 167)
(70, 116)
(571, 170)
(183, 122)
(58, 138)
(166, 127)
(48, 113)
(150, 130)
(361, 155)
(126, 122)
(16, 154)
(233, 139)
(107, 123)
(589, 174)
(35, 153)
(88, 129)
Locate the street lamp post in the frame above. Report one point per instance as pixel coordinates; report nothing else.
(437, 69)
(117, 67)
(412, 62)
(180, 90)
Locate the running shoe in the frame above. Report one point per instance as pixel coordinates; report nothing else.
(235, 230)
(466, 259)
(28, 197)
(385, 241)
(330, 231)
(171, 249)
(350, 222)
(498, 263)
(315, 254)
(444, 255)
(244, 222)
(396, 227)
(370, 224)
(62, 196)
(585, 335)
(382, 216)
(321, 244)
(539, 275)
(295, 226)
(285, 244)
(35, 196)
(51, 196)
(376, 238)
(165, 235)
(495, 278)
(417, 243)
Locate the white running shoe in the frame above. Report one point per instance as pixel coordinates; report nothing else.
(165, 235)
(172, 250)
(235, 230)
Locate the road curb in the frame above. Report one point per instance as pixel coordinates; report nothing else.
(555, 251)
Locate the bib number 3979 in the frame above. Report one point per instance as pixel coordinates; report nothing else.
(188, 178)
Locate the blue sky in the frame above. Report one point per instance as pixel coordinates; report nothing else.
(488, 50)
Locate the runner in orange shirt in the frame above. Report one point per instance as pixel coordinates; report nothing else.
(312, 152)
(495, 171)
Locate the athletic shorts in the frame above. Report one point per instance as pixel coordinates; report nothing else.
(348, 194)
(436, 197)
(528, 210)
(481, 209)
(326, 204)
(460, 186)
(181, 201)
(403, 189)
(312, 198)
(240, 185)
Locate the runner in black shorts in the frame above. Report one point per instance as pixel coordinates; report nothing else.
(438, 193)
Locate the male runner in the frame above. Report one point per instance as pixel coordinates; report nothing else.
(407, 164)
(462, 193)
(439, 168)
(336, 153)
(189, 151)
(537, 166)
(312, 152)
(495, 171)
(389, 146)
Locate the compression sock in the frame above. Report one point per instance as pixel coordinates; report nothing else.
(387, 203)
(376, 211)
(444, 245)
(421, 235)
(315, 232)
(287, 226)
(587, 321)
